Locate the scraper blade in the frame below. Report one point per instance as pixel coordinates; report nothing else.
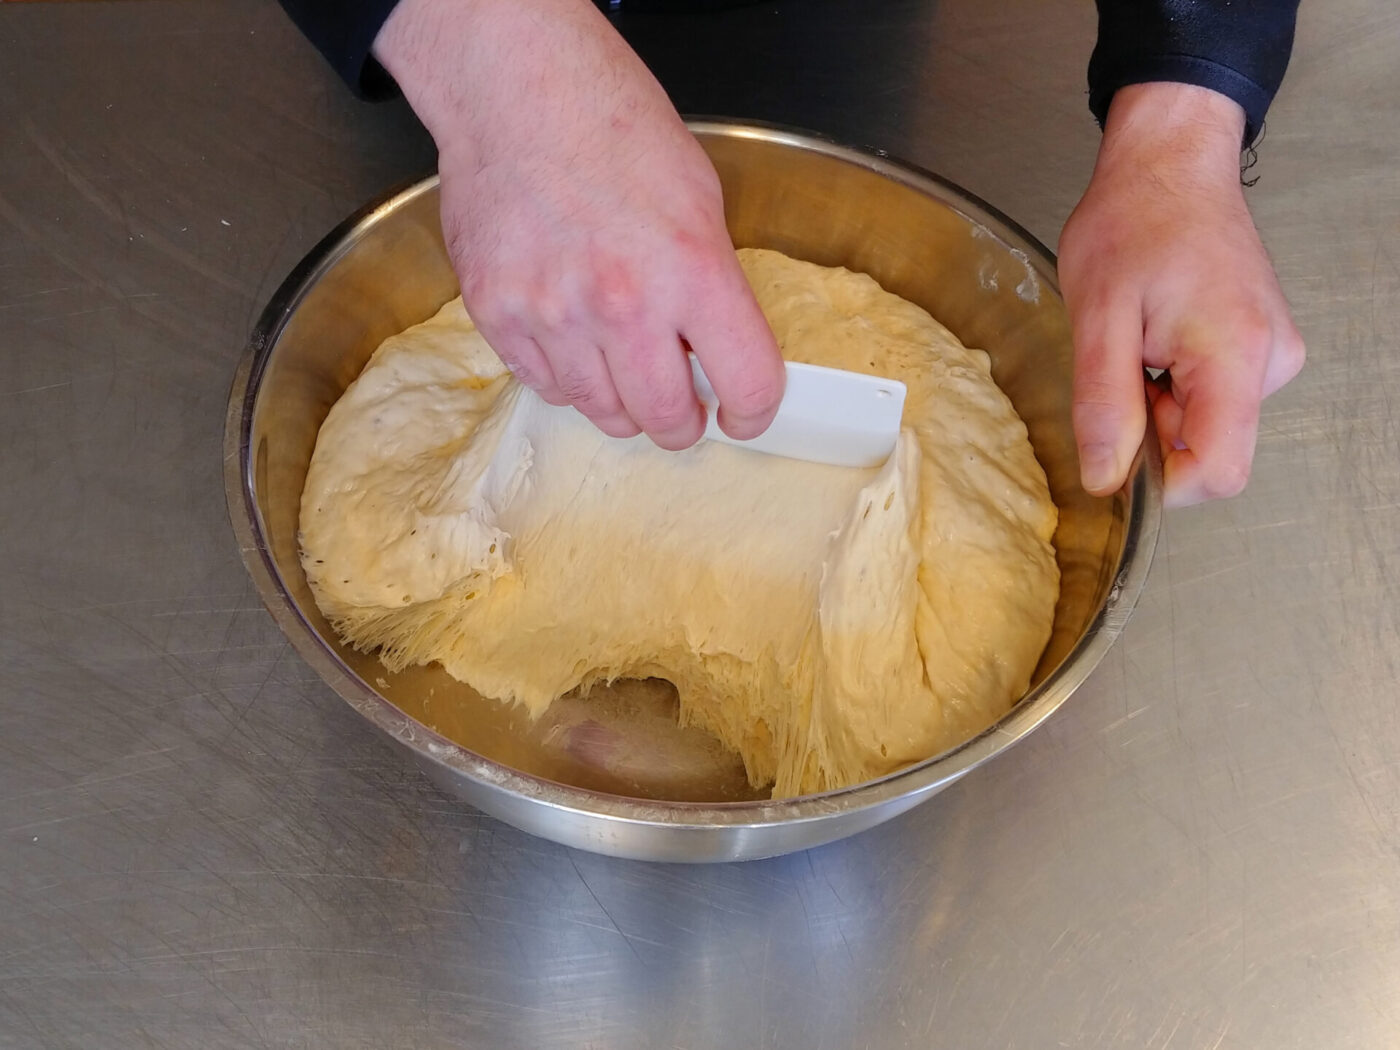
(827, 415)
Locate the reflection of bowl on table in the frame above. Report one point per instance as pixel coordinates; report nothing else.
(613, 773)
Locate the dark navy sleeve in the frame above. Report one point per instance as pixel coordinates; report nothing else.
(1237, 47)
(344, 31)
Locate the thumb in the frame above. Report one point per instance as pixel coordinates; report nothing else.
(1110, 404)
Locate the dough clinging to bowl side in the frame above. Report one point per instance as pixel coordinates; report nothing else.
(830, 624)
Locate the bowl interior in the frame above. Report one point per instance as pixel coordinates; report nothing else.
(991, 284)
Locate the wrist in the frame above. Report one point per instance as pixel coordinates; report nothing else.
(418, 44)
(472, 70)
(1168, 126)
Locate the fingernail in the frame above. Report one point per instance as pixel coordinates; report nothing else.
(744, 428)
(1098, 467)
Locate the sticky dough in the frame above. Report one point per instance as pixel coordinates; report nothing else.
(831, 624)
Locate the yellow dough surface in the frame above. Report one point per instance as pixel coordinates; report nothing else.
(831, 624)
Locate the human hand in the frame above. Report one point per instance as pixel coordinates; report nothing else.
(583, 219)
(1161, 266)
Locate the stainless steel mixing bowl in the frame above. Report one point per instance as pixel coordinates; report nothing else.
(613, 773)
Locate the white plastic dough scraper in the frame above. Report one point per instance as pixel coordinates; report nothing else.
(827, 415)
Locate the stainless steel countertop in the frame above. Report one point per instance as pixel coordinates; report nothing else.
(203, 847)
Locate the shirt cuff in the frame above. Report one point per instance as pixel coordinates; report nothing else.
(1184, 69)
(344, 32)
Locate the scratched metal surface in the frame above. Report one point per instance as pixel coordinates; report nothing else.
(201, 846)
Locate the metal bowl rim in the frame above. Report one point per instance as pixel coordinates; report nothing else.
(1134, 560)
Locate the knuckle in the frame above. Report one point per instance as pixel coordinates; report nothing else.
(1253, 336)
(705, 261)
(1094, 348)
(1097, 394)
(551, 310)
(1225, 479)
(667, 411)
(1292, 353)
(755, 394)
(1100, 399)
(1099, 414)
(496, 320)
(493, 303)
(617, 301)
(588, 392)
(508, 297)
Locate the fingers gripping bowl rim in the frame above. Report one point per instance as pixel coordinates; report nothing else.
(922, 237)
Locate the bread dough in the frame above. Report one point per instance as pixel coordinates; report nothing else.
(832, 624)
